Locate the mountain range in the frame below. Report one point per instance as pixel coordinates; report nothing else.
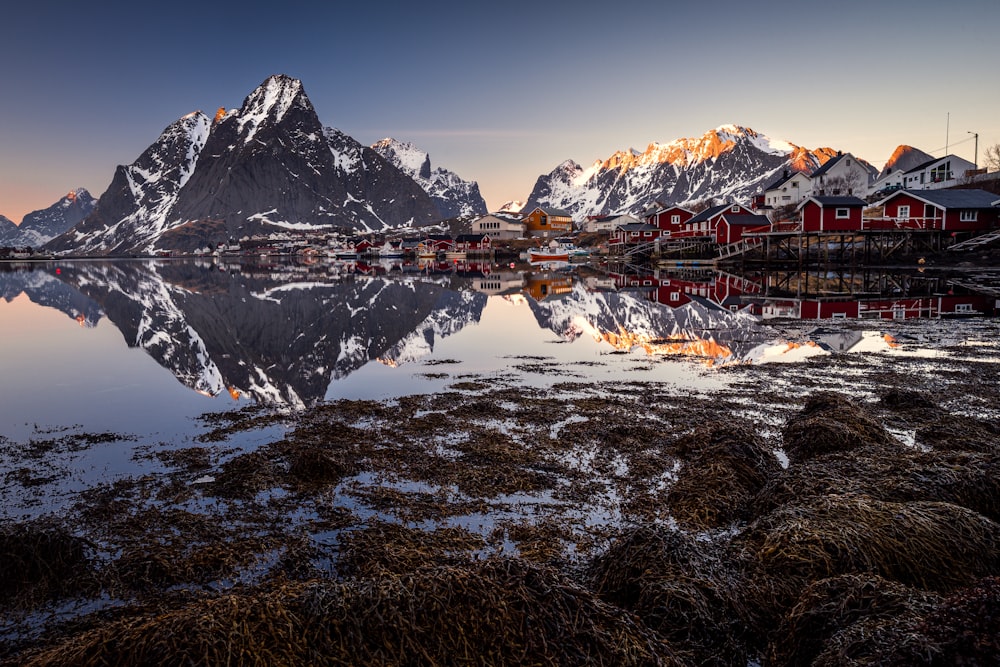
(729, 163)
(267, 166)
(271, 165)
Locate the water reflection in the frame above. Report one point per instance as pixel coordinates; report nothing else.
(842, 293)
(292, 334)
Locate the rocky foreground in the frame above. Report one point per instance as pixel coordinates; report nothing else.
(844, 510)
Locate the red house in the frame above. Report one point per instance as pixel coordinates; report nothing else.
(946, 210)
(634, 233)
(703, 224)
(439, 243)
(668, 219)
(473, 243)
(730, 226)
(831, 214)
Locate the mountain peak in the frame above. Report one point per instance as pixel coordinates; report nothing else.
(904, 158)
(404, 155)
(453, 196)
(270, 102)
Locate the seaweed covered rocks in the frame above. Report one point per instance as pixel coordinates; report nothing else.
(498, 611)
(830, 422)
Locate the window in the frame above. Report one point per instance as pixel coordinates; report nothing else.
(735, 208)
(903, 211)
(675, 219)
(929, 211)
(968, 216)
(675, 296)
(795, 184)
(963, 307)
(843, 213)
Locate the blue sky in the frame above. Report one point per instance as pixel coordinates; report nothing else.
(498, 92)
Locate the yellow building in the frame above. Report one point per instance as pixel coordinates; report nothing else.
(546, 222)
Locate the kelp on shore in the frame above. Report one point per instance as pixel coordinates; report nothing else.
(504, 526)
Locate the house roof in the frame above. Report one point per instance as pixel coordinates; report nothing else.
(933, 161)
(606, 218)
(785, 177)
(637, 227)
(829, 200)
(949, 199)
(829, 164)
(747, 219)
(710, 213)
(923, 165)
(558, 212)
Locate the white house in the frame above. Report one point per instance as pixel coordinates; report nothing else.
(789, 190)
(942, 172)
(841, 175)
(607, 223)
(499, 226)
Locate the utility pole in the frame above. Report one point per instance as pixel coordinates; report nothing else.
(975, 156)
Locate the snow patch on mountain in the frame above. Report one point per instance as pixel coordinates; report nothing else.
(268, 103)
(453, 196)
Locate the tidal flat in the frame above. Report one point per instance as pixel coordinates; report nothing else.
(837, 510)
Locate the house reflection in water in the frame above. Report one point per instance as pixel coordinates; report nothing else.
(819, 295)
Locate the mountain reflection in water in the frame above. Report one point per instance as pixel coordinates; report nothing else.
(294, 334)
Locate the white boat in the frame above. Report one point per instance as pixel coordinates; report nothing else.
(547, 255)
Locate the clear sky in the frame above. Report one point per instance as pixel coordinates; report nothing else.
(499, 92)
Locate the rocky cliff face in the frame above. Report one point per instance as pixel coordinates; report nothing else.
(730, 162)
(454, 197)
(268, 165)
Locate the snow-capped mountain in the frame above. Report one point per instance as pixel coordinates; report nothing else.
(269, 164)
(730, 162)
(454, 197)
(512, 206)
(40, 227)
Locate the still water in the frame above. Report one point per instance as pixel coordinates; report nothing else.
(145, 347)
